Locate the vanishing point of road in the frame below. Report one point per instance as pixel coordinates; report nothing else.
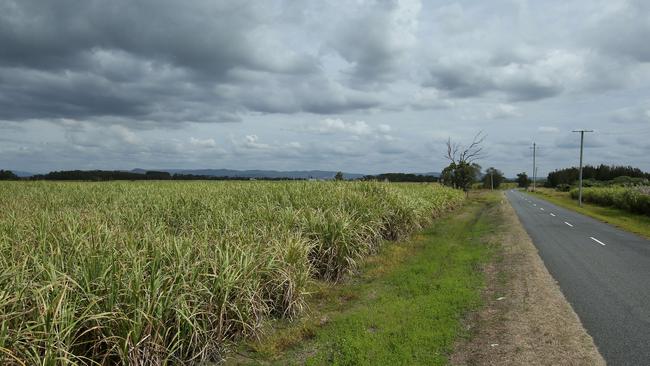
(604, 272)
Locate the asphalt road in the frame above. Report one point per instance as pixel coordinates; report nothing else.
(604, 272)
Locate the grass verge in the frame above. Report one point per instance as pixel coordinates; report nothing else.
(524, 319)
(405, 307)
(638, 224)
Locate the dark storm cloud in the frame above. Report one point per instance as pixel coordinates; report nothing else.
(207, 37)
(28, 94)
(164, 61)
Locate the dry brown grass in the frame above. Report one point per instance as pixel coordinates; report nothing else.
(526, 320)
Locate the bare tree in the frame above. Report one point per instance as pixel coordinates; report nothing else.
(474, 151)
(462, 170)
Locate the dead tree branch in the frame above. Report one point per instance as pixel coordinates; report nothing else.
(474, 151)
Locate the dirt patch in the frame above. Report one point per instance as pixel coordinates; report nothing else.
(526, 320)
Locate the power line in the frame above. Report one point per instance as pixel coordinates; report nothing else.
(582, 142)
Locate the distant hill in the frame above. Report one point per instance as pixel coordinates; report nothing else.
(294, 174)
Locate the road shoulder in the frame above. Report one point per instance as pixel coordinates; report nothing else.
(526, 320)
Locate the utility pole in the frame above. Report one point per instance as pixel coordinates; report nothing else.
(534, 167)
(492, 180)
(582, 141)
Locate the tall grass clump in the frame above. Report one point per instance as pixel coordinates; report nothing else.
(152, 273)
(629, 199)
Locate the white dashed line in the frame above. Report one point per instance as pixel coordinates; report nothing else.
(597, 241)
(534, 204)
(552, 214)
(568, 224)
(541, 208)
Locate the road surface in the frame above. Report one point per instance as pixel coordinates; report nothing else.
(604, 272)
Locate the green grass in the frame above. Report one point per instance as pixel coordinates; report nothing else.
(639, 224)
(404, 309)
(174, 272)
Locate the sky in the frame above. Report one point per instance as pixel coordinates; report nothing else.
(357, 86)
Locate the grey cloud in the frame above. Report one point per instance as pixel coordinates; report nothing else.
(516, 82)
(461, 82)
(548, 129)
(633, 115)
(503, 111)
(315, 94)
(100, 84)
(623, 31)
(158, 61)
(643, 144)
(524, 89)
(211, 37)
(572, 141)
(26, 94)
(388, 145)
(376, 41)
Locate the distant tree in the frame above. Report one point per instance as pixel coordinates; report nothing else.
(462, 170)
(401, 177)
(522, 180)
(107, 175)
(568, 176)
(460, 176)
(152, 174)
(492, 176)
(8, 175)
(447, 175)
(338, 176)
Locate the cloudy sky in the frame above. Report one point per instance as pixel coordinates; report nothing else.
(358, 86)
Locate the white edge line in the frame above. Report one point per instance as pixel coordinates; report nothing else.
(568, 224)
(597, 241)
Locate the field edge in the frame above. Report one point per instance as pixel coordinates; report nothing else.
(343, 312)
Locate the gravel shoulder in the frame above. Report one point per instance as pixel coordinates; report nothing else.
(526, 320)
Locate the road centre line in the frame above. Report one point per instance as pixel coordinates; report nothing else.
(568, 224)
(597, 241)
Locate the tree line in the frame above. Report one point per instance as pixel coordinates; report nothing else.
(8, 175)
(401, 177)
(602, 172)
(109, 175)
